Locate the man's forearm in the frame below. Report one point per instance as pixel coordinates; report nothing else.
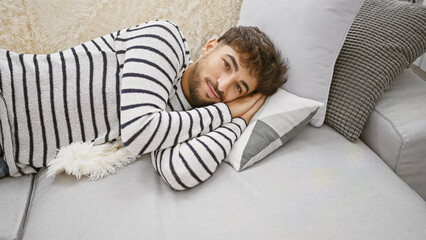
(162, 129)
(189, 163)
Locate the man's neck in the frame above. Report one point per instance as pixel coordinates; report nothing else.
(186, 82)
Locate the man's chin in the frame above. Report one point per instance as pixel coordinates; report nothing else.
(202, 103)
(198, 99)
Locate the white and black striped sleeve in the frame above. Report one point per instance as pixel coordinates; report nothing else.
(190, 163)
(153, 56)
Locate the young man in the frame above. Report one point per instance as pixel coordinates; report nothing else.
(140, 84)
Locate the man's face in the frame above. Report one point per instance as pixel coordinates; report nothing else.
(218, 76)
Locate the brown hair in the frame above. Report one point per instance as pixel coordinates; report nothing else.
(258, 54)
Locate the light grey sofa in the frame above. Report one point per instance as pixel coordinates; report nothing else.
(318, 186)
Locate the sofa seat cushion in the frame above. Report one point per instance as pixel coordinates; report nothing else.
(317, 186)
(15, 195)
(396, 129)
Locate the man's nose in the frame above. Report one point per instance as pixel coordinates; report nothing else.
(223, 83)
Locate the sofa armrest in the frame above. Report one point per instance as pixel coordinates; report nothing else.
(396, 129)
(15, 195)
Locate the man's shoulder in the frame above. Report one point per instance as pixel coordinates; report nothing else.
(157, 25)
(161, 29)
(160, 42)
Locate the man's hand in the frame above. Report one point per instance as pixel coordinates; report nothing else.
(253, 110)
(246, 107)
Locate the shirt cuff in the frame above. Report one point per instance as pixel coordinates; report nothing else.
(241, 122)
(226, 112)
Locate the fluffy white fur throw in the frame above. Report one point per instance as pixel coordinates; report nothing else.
(44, 26)
(93, 161)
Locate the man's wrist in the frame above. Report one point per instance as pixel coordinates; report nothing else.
(227, 114)
(241, 119)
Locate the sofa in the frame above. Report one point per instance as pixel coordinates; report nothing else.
(325, 183)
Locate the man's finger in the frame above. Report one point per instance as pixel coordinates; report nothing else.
(258, 104)
(242, 105)
(252, 111)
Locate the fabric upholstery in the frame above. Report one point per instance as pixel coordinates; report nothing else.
(396, 130)
(317, 186)
(15, 195)
(384, 39)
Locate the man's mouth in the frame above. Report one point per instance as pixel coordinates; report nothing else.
(211, 91)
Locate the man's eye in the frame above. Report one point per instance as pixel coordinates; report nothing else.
(238, 87)
(226, 65)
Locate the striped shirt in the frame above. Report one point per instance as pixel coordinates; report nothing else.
(127, 84)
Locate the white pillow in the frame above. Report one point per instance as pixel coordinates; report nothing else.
(310, 34)
(281, 117)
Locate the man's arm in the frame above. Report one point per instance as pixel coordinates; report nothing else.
(153, 55)
(190, 163)
(187, 164)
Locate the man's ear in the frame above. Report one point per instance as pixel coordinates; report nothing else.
(210, 45)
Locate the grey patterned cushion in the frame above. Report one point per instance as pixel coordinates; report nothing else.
(384, 39)
(281, 118)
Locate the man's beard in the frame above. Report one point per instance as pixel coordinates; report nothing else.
(195, 85)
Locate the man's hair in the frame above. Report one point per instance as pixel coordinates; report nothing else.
(258, 54)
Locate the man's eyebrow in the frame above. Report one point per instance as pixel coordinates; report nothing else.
(245, 85)
(234, 62)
